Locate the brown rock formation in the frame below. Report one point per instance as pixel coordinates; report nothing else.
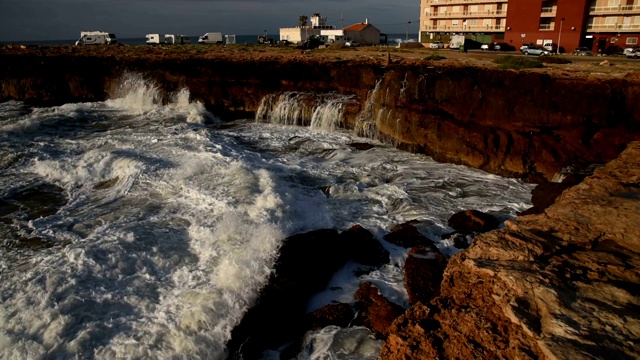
(521, 124)
(423, 272)
(374, 310)
(406, 235)
(468, 221)
(559, 285)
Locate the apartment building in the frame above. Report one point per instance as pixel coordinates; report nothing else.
(604, 26)
(480, 20)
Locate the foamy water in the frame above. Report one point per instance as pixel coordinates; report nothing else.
(171, 224)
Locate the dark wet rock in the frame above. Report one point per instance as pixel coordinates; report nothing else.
(7, 208)
(363, 248)
(361, 146)
(374, 310)
(423, 272)
(545, 194)
(326, 189)
(39, 201)
(406, 235)
(460, 240)
(106, 184)
(473, 221)
(333, 314)
(305, 265)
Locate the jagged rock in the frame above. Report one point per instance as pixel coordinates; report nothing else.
(332, 314)
(423, 271)
(374, 310)
(361, 146)
(363, 248)
(556, 285)
(406, 235)
(469, 221)
(460, 240)
(408, 336)
(304, 266)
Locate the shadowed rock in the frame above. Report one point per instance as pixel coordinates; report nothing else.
(406, 235)
(469, 221)
(305, 265)
(423, 273)
(363, 248)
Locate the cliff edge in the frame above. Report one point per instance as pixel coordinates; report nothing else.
(562, 284)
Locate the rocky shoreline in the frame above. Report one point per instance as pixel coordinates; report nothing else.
(561, 281)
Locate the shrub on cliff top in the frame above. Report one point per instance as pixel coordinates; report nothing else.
(434, 57)
(512, 62)
(555, 60)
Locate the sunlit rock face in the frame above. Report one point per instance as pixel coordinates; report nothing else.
(557, 285)
(531, 125)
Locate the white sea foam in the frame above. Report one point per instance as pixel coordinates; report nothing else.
(171, 228)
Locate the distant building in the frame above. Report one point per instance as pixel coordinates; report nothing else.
(363, 33)
(301, 32)
(604, 26)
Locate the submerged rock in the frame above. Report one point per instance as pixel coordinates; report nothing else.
(406, 235)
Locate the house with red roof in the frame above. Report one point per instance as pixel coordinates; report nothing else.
(363, 33)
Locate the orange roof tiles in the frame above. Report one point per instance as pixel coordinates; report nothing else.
(356, 27)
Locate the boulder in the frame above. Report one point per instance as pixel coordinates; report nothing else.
(423, 271)
(333, 314)
(460, 240)
(406, 235)
(375, 311)
(304, 266)
(473, 221)
(363, 248)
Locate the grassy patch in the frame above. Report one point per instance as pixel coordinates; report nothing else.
(518, 63)
(555, 60)
(434, 57)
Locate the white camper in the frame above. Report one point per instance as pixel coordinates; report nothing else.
(96, 38)
(155, 39)
(456, 41)
(211, 38)
(176, 39)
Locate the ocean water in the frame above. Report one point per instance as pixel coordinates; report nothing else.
(141, 227)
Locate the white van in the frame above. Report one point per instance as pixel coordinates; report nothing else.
(96, 38)
(210, 38)
(176, 39)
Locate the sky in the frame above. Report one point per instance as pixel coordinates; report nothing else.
(31, 20)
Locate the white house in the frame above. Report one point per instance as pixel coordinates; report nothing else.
(299, 34)
(363, 33)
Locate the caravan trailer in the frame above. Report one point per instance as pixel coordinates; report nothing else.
(155, 39)
(96, 38)
(176, 39)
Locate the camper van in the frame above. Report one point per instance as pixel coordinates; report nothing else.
(96, 38)
(155, 39)
(176, 39)
(211, 38)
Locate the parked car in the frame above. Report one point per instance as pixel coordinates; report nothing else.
(351, 44)
(552, 47)
(526, 46)
(582, 51)
(436, 45)
(492, 46)
(536, 50)
(635, 54)
(629, 50)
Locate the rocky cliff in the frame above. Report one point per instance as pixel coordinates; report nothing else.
(558, 285)
(513, 123)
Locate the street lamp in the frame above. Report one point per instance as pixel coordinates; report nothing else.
(407, 39)
(559, 35)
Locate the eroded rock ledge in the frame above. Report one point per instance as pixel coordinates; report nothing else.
(522, 124)
(562, 284)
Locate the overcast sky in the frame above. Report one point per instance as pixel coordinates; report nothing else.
(23, 20)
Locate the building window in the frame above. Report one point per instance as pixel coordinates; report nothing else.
(611, 20)
(454, 22)
(486, 22)
(472, 22)
(443, 9)
(632, 41)
(614, 2)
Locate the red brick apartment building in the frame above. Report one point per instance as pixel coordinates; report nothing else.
(603, 26)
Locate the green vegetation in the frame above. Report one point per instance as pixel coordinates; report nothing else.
(555, 60)
(434, 57)
(518, 63)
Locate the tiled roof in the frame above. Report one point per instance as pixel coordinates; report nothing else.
(356, 27)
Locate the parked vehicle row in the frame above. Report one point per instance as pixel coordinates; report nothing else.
(632, 53)
(582, 51)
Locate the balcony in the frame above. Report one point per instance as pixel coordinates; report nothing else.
(546, 27)
(548, 12)
(613, 28)
(464, 28)
(463, 2)
(610, 10)
(467, 14)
